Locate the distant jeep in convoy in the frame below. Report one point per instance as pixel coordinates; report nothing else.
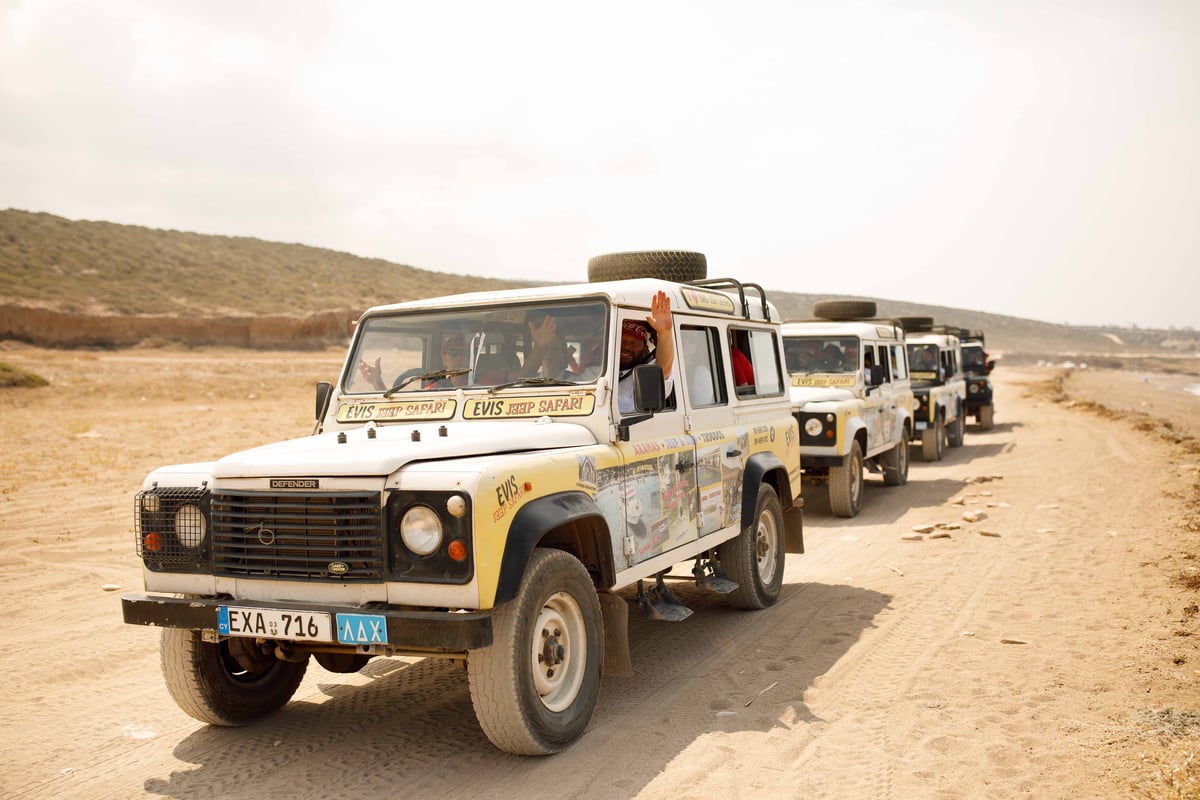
(850, 393)
(978, 367)
(938, 383)
(488, 472)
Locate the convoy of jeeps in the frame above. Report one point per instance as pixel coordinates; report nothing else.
(498, 478)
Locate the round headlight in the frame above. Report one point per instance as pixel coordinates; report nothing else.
(813, 427)
(973, 389)
(421, 530)
(189, 526)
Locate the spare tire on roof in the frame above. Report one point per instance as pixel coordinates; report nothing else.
(668, 265)
(915, 324)
(843, 310)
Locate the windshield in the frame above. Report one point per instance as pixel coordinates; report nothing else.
(923, 361)
(821, 354)
(483, 346)
(973, 357)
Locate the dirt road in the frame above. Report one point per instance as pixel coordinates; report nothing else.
(1049, 650)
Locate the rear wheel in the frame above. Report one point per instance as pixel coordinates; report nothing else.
(231, 682)
(754, 558)
(986, 420)
(846, 484)
(895, 462)
(954, 433)
(933, 440)
(534, 688)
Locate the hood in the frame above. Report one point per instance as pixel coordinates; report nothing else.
(393, 447)
(799, 395)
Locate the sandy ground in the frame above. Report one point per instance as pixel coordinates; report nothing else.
(1049, 650)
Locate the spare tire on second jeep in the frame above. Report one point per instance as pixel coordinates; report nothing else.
(915, 324)
(843, 310)
(679, 266)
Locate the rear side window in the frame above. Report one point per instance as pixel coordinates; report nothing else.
(754, 357)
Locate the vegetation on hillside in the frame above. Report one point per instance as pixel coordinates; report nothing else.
(13, 377)
(101, 267)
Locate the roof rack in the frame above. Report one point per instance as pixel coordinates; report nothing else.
(740, 288)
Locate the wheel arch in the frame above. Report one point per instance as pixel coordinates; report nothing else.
(568, 521)
(764, 468)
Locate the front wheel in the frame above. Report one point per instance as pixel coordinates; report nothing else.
(846, 484)
(535, 686)
(895, 462)
(232, 682)
(754, 558)
(933, 440)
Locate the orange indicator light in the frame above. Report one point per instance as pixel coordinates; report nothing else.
(457, 550)
(153, 542)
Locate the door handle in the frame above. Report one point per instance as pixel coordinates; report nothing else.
(733, 452)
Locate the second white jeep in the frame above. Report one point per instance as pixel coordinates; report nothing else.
(850, 393)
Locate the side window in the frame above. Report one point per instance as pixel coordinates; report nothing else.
(868, 357)
(702, 366)
(899, 364)
(754, 356)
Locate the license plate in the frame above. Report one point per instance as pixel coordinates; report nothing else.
(919, 425)
(274, 623)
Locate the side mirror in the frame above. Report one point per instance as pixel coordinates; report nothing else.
(878, 375)
(990, 365)
(324, 392)
(649, 392)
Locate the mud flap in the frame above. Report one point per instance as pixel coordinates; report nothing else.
(617, 661)
(793, 526)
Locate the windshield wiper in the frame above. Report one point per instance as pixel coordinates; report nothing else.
(534, 381)
(436, 375)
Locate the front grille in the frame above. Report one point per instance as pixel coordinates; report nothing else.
(330, 536)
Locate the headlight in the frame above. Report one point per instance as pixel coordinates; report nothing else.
(813, 427)
(189, 525)
(973, 388)
(421, 530)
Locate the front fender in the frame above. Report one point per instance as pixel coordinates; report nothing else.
(538, 518)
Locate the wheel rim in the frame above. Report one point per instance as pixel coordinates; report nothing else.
(766, 545)
(559, 651)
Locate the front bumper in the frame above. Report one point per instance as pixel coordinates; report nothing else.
(416, 630)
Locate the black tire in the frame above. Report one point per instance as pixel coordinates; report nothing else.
(535, 700)
(915, 324)
(846, 484)
(754, 558)
(986, 417)
(844, 310)
(229, 682)
(895, 462)
(668, 265)
(956, 430)
(933, 440)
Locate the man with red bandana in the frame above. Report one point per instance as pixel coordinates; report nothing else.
(635, 349)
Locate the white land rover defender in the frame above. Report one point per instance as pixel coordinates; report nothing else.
(939, 386)
(850, 393)
(476, 488)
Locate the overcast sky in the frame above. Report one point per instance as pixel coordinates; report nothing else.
(1036, 158)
